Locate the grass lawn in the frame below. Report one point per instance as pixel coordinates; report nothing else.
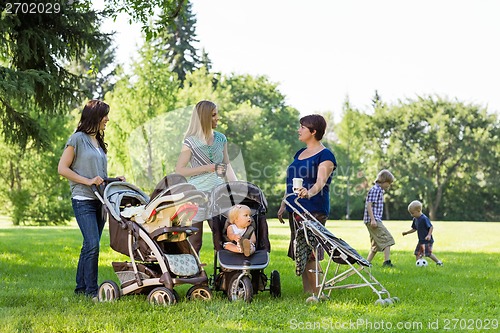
(37, 270)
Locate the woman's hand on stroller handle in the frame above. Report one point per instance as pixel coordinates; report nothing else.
(303, 193)
(115, 179)
(287, 202)
(96, 181)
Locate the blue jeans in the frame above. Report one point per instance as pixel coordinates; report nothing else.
(89, 217)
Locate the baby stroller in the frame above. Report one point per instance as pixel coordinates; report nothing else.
(310, 236)
(153, 234)
(239, 276)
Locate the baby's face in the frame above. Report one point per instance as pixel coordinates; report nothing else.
(244, 218)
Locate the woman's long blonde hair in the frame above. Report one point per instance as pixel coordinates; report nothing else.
(200, 124)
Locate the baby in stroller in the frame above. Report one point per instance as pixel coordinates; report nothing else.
(240, 232)
(239, 271)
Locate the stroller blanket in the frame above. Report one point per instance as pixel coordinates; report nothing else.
(182, 264)
(319, 234)
(302, 250)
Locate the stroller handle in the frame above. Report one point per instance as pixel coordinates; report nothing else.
(305, 214)
(96, 191)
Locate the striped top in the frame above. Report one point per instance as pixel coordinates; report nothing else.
(203, 154)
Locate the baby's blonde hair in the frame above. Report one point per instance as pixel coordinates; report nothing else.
(384, 176)
(234, 211)
(415, 205)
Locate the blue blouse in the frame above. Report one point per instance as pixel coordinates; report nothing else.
(307, 169)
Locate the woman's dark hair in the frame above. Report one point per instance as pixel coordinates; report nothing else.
(315, 122)
(92, 115)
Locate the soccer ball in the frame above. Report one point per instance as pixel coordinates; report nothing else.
(421, 263)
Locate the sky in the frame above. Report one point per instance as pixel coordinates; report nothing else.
(321, 52)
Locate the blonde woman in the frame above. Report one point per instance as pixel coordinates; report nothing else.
(204, 158)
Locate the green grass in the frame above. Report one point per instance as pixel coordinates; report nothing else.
(37, 268)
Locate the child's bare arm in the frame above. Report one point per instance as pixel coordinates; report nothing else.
(231, 235)
(369, 209)
(429, 234)
(409, 232)
(253, 239)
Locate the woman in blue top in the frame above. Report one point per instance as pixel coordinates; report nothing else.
(84, 163)
(314, 164)
(202, 151)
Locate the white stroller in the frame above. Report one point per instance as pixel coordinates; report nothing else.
(310, 236)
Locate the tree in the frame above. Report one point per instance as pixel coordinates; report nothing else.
(142, 11)
(30, 184)
(48, 64)
(263, 126)
(431, 144)
(176, 41)
(350, 183)
(33, 49)
(141, 134)
(97, 71)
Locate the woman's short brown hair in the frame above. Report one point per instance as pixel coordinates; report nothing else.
(315, 122)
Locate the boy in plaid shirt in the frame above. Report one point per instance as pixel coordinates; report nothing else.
(380, 238)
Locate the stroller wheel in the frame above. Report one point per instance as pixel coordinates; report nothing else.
(312, 299)
(381, 302)
(275, 286)
(161, 296)
(176, 295)
(240, 289)
(108, 291)
(199, 293)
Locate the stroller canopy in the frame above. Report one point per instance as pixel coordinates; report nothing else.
(226, 195)
(119, 194)
(168, 182)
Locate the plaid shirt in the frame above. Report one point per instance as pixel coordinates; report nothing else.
(376, 197)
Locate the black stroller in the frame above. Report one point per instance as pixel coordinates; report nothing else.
(310, 236)
(239, 276)
(154, 236)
